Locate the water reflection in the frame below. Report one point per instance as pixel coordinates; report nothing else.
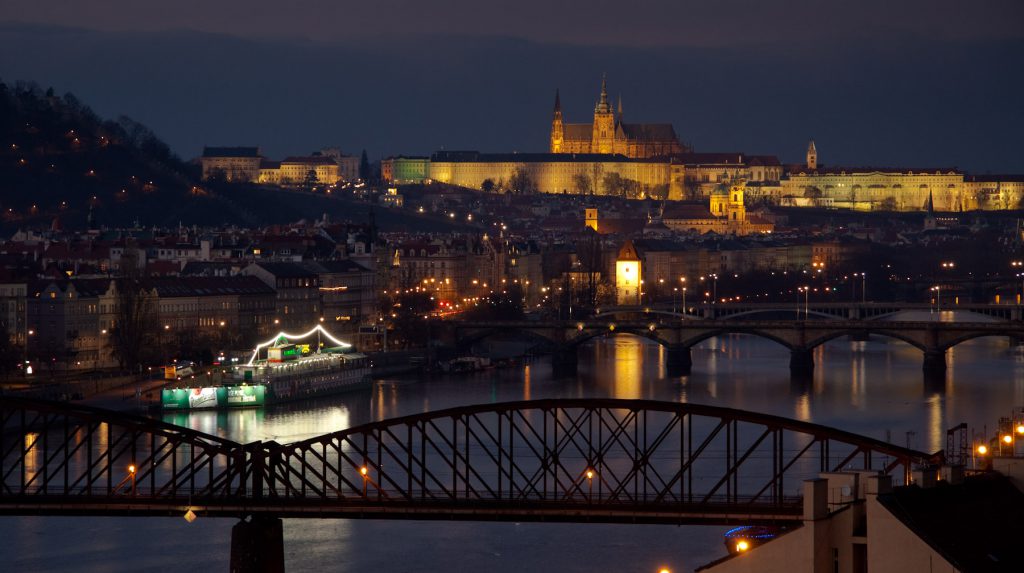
(874, 387)
(628, 355)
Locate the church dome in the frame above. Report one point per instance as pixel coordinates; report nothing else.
(720, 189)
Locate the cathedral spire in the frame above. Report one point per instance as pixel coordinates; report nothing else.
(557, 127)
(602, 105)
(619, 114)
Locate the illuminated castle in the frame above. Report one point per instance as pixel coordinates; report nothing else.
(610, 134)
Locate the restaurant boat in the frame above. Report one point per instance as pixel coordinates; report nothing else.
(280, 370)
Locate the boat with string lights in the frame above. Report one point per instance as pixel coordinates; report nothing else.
(286, 367)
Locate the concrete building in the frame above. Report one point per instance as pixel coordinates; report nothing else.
(347, 293)
(297, 303)
(63, 319)
(13, 302)
(404, 170)
(231, 163)
(297, 170)
(857, 522)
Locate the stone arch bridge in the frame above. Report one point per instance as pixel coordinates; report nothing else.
(678, 337)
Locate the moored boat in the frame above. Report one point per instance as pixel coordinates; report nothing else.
(280, 370)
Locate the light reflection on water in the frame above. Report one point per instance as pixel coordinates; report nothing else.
(873, 388)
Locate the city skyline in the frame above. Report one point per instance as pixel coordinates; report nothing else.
(390, 96)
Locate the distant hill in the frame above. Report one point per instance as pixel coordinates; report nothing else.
(59, 161)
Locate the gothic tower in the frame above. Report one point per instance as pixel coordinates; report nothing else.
(557, 128)
(812, 156)
(602, 140)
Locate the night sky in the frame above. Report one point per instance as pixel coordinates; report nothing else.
(908, 83)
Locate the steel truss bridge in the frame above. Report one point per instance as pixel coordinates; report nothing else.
(600, 460)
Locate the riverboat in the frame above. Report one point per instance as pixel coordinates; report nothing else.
(280, 370)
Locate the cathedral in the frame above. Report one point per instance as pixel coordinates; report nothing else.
(610, 134)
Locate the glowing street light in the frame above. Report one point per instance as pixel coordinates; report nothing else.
(982, 450)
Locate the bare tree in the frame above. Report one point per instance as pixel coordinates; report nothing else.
(134, 322)
(134, 313)
(581, 184)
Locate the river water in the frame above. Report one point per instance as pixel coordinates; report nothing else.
(873, 388)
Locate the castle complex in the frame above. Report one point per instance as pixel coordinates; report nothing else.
(610, 134)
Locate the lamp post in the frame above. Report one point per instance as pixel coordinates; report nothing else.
(1016, 265)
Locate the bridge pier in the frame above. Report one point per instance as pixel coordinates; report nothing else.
(934, 364)
(257, 546)
(563, 362)
(801, 362)
(678, 361)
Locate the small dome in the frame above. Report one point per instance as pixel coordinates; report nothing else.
(720, 189)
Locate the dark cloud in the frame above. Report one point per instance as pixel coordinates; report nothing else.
(893, 100)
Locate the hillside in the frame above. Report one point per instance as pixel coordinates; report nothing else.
(60, 161)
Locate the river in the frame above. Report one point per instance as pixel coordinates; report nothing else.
(873, 388)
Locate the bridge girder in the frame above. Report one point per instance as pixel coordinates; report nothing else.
(563, 460)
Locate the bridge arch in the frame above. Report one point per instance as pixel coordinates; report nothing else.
(582, 452)
(481, 334)
(968, 336)
(895, 335)
(645, 312)
(588, 334)
(692, 341)
(793, 313)
(579, 459)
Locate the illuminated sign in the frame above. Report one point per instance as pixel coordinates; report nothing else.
(213, 397)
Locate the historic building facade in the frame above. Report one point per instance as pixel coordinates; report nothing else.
(609, 134)
(726, 214)
(583, 174)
